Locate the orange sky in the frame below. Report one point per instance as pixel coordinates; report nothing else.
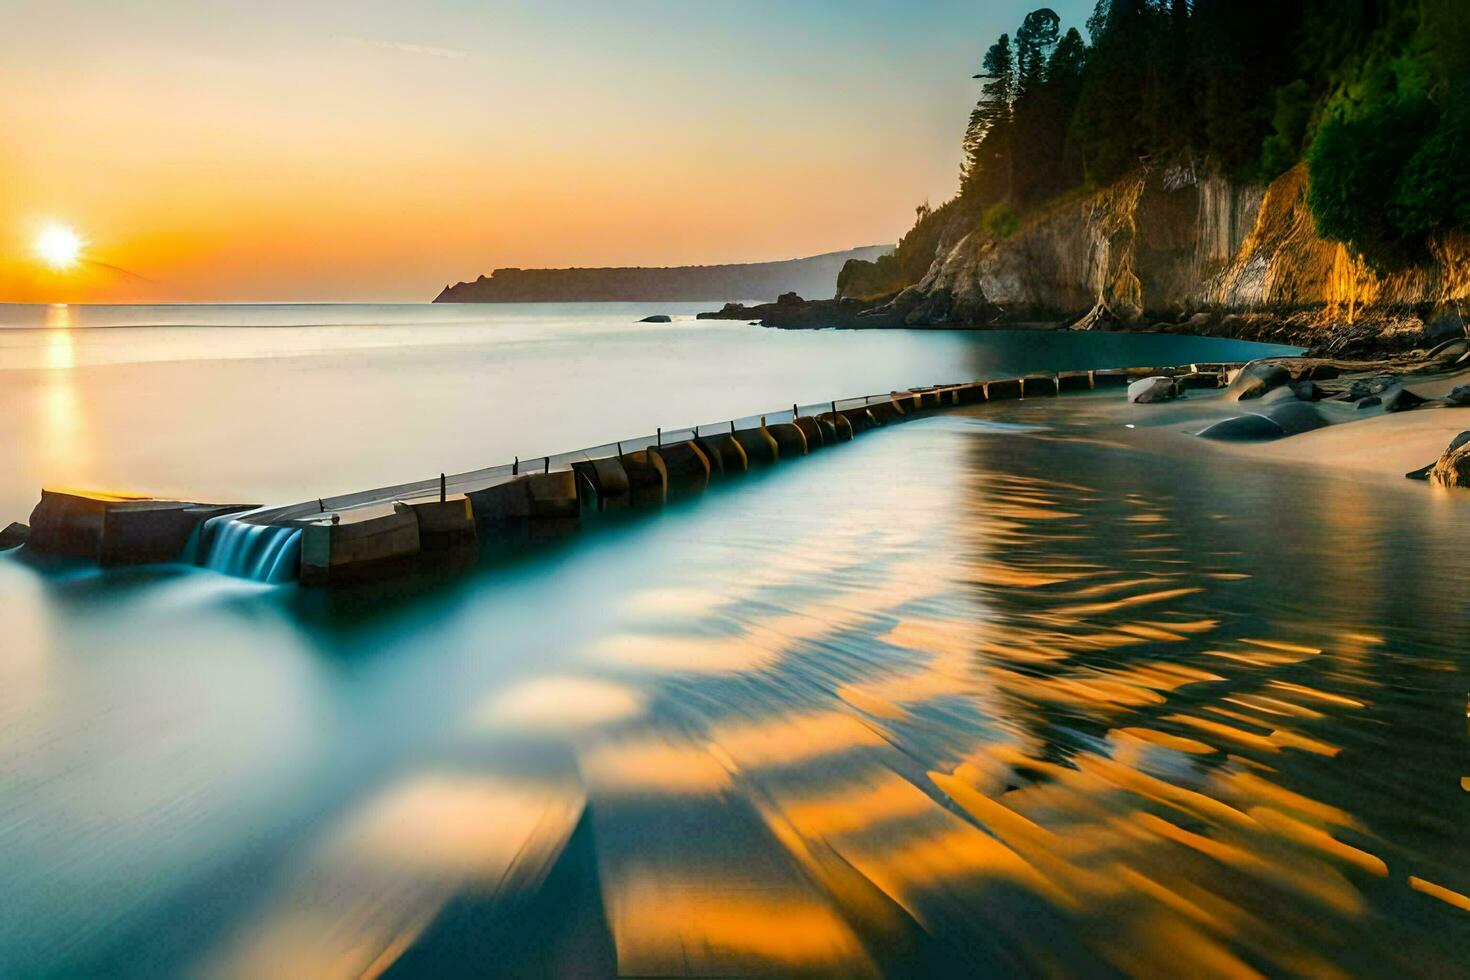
(351, 151)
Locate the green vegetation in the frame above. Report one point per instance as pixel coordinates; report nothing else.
(1373, 94)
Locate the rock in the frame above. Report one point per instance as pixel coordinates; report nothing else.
(1444, 323)
(1199, 379)
(657, 318)
(1308, 390)
(1295, 417)
(1459, 395)
(789, 299)
(1200, 321)
(1278, 395)
(1243, 428)
(1422, 473)
(1150, 390)
(1452, 469)
(14, 536)
(1259, 377)
(1372, 401)
(1401, 400)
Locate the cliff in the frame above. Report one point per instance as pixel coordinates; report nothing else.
(812, 276)
(1165, 250)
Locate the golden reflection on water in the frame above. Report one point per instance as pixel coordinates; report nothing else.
(1013, 734)
(62, 440)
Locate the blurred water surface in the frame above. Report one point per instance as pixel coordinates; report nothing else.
(282, 403)
(1001, 691)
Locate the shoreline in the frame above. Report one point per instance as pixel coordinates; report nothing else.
(1319, 331)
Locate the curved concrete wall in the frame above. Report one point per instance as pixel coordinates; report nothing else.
(790, 440)
(811, 429)
(366, 542)
(726, 457)
(686, 468)
(355, 550)
(760, 449)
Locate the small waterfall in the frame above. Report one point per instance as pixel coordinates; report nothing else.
(263, 552)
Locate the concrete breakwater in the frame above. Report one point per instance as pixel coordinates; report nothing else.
(377, 534)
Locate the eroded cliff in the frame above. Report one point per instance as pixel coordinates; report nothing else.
(1165, 248)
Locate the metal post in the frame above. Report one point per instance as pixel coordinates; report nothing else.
(620, 450)
(443, 489)
(515, 467)
(793, 412)
(660, 436)
(548, 465)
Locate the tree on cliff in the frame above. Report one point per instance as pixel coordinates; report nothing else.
(987, 164)
(1373, 95)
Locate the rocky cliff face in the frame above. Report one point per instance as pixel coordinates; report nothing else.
(1166, 246)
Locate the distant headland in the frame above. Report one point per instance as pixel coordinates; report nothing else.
(815, 275)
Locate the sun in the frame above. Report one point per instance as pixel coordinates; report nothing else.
(59, 246)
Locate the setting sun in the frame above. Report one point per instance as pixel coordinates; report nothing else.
(59, 246)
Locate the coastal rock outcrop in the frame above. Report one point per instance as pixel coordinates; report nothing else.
(1213, 256)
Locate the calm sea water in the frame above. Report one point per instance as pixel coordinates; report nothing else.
(276, 404)
(1002, 691)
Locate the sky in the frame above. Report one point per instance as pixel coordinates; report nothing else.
(287, 151)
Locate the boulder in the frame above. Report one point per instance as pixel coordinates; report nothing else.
(1453, 467)
(1198, 379)
(1295, 417)
(1257, 378)
(1156, 389)
(657, 318)
(1459, 395)
(1426, 471)
(1372, 401)
(1308, 390)
(1401, 400)
(1444, 323)
(14, 535)
(1243, 428)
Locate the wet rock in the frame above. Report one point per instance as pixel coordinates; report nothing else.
(1199, 379)
(1401, 400)
(1308, 390)
(1372, 401)
(1444, 323)
(1295, 417)
(1150, 390)
(1459, 395)
(1258, 378)
(657, 318)
(14, 536)
(1452, 469)
(1243, 428)
(1277, 395)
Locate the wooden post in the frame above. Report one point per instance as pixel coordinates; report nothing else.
(515, 467)
(660, 435)
(547, 468)
(443, 488)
